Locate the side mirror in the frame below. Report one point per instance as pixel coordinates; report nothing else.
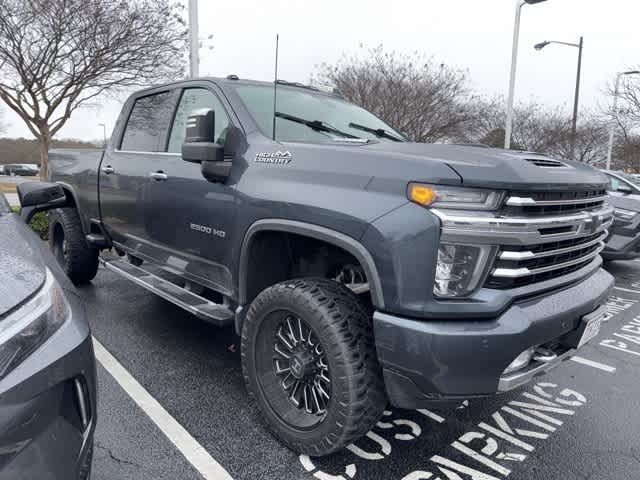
(625, 189)
(38, 197)
(199, 143)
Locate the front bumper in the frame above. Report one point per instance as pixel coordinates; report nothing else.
(427, 361)
(623, 242)
(48, 405)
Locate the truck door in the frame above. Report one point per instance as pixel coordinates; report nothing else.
(189, 220)
(125, 170)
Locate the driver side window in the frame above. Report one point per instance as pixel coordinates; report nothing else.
(196, 99)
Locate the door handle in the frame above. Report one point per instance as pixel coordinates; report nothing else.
(108, 169)
(159, 176)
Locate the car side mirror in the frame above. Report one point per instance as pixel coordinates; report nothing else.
(199, 143)
(625, 189)
(38, 197)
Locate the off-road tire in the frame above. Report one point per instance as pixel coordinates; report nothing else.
(78, 259)
(344, 328)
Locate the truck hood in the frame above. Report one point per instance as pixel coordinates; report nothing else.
(22, 270)
(502, 169)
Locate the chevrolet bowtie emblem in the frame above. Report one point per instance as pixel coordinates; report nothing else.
(593, 224)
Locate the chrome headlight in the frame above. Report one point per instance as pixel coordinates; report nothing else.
(624, 214)
(26, 329)
(460, 268)
(461, 198)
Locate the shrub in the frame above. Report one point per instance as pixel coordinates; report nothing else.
(39, 223)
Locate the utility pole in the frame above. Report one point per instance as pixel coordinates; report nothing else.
(194, 43)
(576, 101)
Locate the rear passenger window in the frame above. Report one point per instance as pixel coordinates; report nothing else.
(196, 99)
(148, 123)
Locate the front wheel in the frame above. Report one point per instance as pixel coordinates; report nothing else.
(78, 259)
(309, 362)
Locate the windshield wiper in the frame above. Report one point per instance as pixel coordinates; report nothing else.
(317, 125)
(378, 132)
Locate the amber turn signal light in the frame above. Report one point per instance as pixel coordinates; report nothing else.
(421, 194)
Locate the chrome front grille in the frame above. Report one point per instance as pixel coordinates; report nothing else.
(551, 203)
(537, 236)
(517, 266)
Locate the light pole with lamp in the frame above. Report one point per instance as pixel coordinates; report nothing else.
(612, 128)
(574, 122)
(514, 61)
(194, 42)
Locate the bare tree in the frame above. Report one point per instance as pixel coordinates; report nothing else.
(540, 128)
(426, 101)
(629, 100)
(3, 126)
(57, 55)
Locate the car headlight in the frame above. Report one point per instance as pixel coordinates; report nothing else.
(26, 329)
(461, 198)
(624, 214)
(460, 269)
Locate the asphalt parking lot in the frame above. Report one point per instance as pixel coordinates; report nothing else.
(578, 422)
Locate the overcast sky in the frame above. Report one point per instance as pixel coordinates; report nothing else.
(470, 34)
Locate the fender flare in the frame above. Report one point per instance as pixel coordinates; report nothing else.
(68, 189)
(333, 237)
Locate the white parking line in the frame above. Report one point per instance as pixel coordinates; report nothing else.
(176, 433)
(429, 414)
(627, 290)
(591, 363)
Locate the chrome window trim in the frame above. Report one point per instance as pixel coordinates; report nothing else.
(144, 152)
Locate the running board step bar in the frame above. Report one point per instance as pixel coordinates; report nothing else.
(199, 306)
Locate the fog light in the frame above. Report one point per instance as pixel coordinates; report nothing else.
(520, 362)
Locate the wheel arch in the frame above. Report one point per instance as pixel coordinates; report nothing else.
(72, 202)
(312, 231)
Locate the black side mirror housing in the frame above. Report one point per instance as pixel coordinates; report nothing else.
(199, 143)
(200, 146)
(38, 197)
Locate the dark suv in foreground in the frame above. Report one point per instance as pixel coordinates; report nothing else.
(47, 366)
(359, 268)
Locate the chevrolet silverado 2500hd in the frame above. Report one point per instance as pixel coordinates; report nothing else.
(358, 268)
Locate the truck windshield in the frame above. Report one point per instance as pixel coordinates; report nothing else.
(345, 121)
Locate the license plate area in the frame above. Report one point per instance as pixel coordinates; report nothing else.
(587, 330)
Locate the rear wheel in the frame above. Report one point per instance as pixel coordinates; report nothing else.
(78, 259)
(309, 361)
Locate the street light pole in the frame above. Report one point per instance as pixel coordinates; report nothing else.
(194, 44)
(576, 100)
(614, 113)
(514, 61)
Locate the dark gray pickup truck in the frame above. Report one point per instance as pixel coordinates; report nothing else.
(358, 268)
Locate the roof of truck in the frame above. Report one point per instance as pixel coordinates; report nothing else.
(233, 80)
